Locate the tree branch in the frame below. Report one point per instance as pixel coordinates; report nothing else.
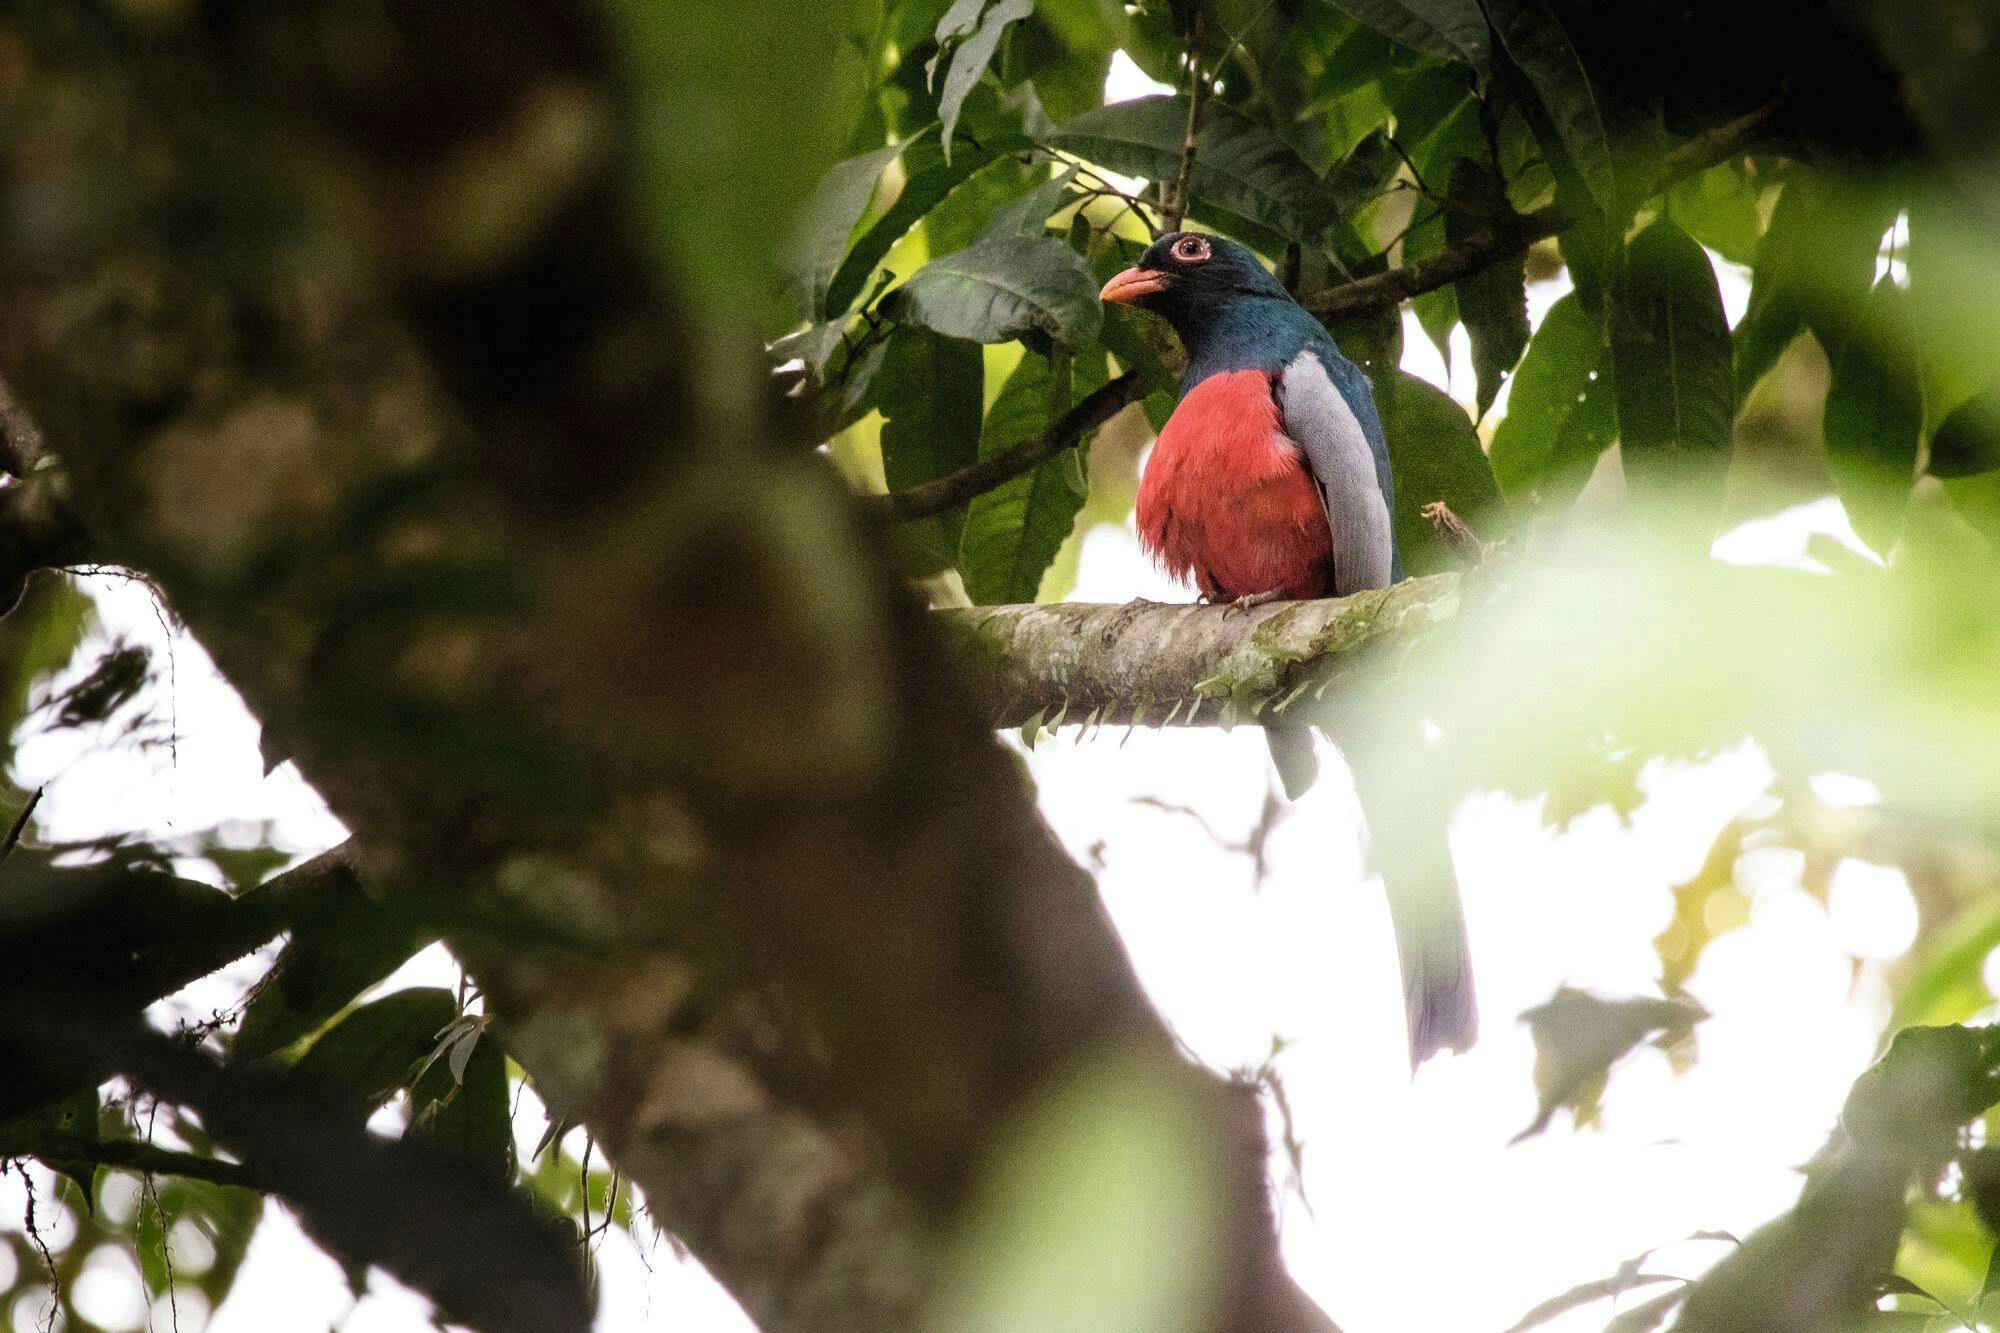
(1157, 664)
(957, 488)
(147, 1158)
(1489, 244)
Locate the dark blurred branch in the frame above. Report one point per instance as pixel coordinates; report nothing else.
(957, 488)
(147, 1158)
(1490, 244)
(406, 1205)
(169, 932)
(1180, 665)
(1174, 207)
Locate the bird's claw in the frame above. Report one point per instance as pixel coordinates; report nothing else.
(1244, 605)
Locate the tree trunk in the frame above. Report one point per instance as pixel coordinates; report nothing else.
(503, 541)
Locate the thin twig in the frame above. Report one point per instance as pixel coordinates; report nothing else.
(1494, 242)
(21, 823)
(956, 488)
(1174, 211)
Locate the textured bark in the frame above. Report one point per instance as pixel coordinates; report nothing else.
(1169, 665)
(510, 550)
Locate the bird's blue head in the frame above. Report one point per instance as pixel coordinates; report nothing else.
(1226, 306)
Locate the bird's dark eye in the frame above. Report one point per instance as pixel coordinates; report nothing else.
(1191, 249)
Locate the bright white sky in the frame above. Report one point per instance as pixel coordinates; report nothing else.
(1422, 1217)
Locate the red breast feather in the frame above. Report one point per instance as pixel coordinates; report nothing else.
(1227, 502)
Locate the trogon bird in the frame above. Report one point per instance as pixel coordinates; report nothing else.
(1270, 481)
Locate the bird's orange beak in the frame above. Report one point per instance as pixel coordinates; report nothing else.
(1129, 287)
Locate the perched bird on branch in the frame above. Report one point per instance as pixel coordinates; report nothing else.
(1271, 481)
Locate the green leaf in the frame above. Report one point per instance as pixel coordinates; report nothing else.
(1967, 443)
(1012, 532)
(1815, 267)
(932, 391)
(1454, 29)
(461, 1103)
(333, 956)
(1029, 215)
(1670, 349)
(1536, 41)
(921, 193)
(827, 223)
(1001, 289)
(53, 1134)
(362, 1060)
(1239, 165)
(1718, 207)
(1530, 459)
(1434, 455)
(1874, 415)
(1493, 302)
(970, 30)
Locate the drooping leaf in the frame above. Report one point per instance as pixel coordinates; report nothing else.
(1493, 303)
(970, 31)
(1012, 532)
(1434, 455)
(356, 1064)
(1967, 442)
(1815, 267)
(1579, 1037)
(1029, 215)
(932, 393)
(1558, 372)
(1454, 29)
(829, 219)
(922, 192)
(1027, 287)
(1537, 42)
(1873, 417)
(1239, 166)
(1670, 350)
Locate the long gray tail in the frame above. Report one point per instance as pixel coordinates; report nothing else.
(1415, 860)
(1293, 756)
(1424, 910)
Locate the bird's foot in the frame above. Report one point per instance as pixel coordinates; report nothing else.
(1244, 605)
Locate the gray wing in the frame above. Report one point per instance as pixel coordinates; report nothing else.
(1319, 419)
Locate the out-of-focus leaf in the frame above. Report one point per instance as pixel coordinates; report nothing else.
(828, 220)
(1874, 415)
(1579, 1037)
(970, 31)
(1012, 532)
(1239, 165)
(1967, 442)
(1537, 42)
(1100, 1211)
(1560, 369)
(1670, 351)
(1454, 29)
(1027, 287)
(1434, 455)
(1493, 302)
(1586, 1293)
(1821, 1265)
(933, 390)
(356, 1064)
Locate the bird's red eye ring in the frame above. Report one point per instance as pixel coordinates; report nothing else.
(1191, 249)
